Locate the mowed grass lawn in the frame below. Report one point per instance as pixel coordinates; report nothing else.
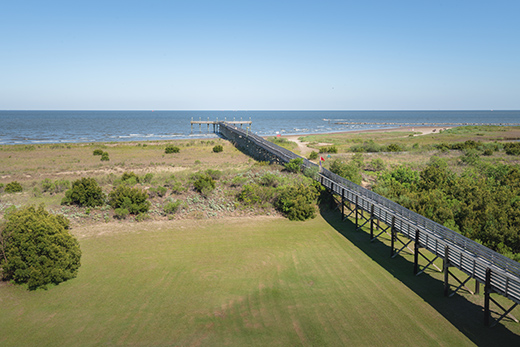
(240, 282)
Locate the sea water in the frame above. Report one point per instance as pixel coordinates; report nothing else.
(33, 127)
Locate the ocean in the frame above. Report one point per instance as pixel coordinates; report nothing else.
(34, 127)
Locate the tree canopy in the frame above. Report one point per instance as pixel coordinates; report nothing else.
(36, 248)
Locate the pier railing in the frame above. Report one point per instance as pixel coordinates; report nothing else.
(499, 273)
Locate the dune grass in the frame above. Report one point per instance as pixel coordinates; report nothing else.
(261, 281)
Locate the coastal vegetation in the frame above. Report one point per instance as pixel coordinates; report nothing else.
(468, 179)
(263, 278)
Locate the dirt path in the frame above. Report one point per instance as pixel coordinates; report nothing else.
(302, 146)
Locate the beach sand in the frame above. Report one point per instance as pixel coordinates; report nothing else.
(420, 130)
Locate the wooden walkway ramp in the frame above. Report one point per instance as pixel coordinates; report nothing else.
(496, 272)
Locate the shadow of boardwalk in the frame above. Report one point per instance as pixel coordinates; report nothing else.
(464, 311)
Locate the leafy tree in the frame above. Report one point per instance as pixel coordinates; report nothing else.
(104, 156)
(134, 200)
(98, 152)
(218, 149)
(37, 248)
(84, 192)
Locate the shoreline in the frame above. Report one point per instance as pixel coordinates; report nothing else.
(212, 136)
(424, 129)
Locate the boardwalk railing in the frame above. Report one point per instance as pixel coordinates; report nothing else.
(499, 273)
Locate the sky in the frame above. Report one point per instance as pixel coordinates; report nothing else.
(260, 55)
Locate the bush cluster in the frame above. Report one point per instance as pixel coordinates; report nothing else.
(13, 187)
(128, 200)
(171, 149)
(37, 248)
(481, 204)
(172, 206)
(204, 184)
(84, 192)
(298, 202)
(218, 149)
(294, 165)
(329, 149)
(512, 148)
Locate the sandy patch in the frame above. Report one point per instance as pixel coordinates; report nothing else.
(305, 150)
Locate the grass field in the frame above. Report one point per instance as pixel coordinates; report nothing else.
(259, 281)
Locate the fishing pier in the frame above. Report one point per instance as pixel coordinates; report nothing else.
(216, 123)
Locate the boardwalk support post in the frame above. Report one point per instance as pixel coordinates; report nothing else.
(487, 293)
(371, 222)
(416, 253)
(356, 211)
(445, 266)
(342, 202)
(392, 237)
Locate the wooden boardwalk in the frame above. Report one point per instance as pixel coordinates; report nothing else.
(496, 272)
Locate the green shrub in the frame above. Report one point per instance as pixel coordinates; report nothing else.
(294, 165)
(470, 157)
(329, 149)
(269, 179)
(148, 178)
(130, 178)
(13, 187)
(172, 206)
(171, 149)
(313, 155)
(512, 148)
(394, 147)
(84, 192)
(297, 202)
(369, 147)
(104, 156)
(204, 184)
(218, 149)
(377, 165)
(178, 187)
(349, 171)
(487, 152)
(37, 248)
(121, 213)
(160, 191)
(252, 194)
(135, 200)
(98, 152)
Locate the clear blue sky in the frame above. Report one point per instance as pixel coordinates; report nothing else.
(260, 55)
